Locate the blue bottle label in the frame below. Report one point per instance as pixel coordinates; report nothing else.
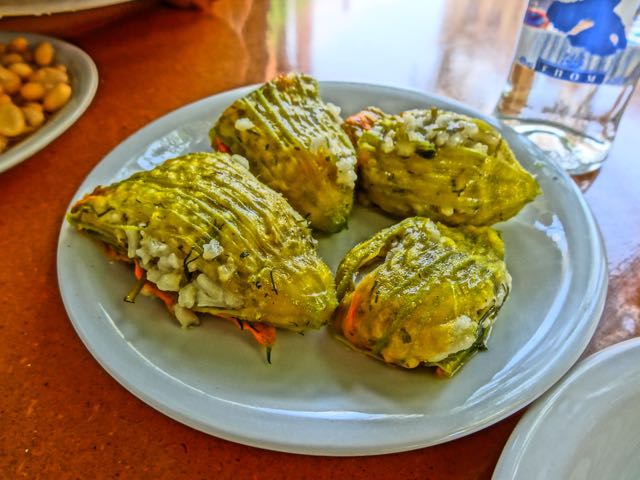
(582, 41)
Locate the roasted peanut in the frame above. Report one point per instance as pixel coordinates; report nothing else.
(9, 58)
(23, 70)
(4, 141)
(18, 44)
(49, 77)
(9, 81)
(57, 97)
(32, 91)
(43, 54)
(12, 122)
(33, 114)
(34, 105)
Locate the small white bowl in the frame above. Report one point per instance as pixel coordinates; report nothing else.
(84, 82)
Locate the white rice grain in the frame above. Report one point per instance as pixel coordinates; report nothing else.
(243, 124)
(185, 317)
(133, 241)
(212, 249)
(240, 160)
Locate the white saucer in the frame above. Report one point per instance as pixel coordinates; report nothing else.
(586, 427)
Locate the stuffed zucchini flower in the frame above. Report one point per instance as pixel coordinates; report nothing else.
(421, 293)
(207, 237)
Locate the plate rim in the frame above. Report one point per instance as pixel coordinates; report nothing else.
(45, 7)
(526, 429)
(591, 309)
(55, 127)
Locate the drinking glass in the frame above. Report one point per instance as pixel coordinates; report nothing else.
(575, 67)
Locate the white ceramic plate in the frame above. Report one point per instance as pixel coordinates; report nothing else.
(319, 397)
(586, 427)
(84, 82)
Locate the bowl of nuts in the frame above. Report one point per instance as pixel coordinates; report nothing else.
(45, 85)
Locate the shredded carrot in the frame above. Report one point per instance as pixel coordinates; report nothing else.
(349, 323)
(113, 255)
(150, 289)
(82, 201)
(263, 333)
(138, 270)
(97, 192)
(363, 119)
(221, 147)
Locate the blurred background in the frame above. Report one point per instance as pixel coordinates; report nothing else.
(435, 45)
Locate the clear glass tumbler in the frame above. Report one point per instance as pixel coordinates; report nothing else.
(575, 67)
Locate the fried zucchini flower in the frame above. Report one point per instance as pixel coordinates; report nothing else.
(440, 164)
(207, 237)
(421, 293)
(295, 145)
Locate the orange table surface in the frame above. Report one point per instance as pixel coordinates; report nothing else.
(61, 414)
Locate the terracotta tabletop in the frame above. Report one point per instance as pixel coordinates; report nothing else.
(61, 414)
